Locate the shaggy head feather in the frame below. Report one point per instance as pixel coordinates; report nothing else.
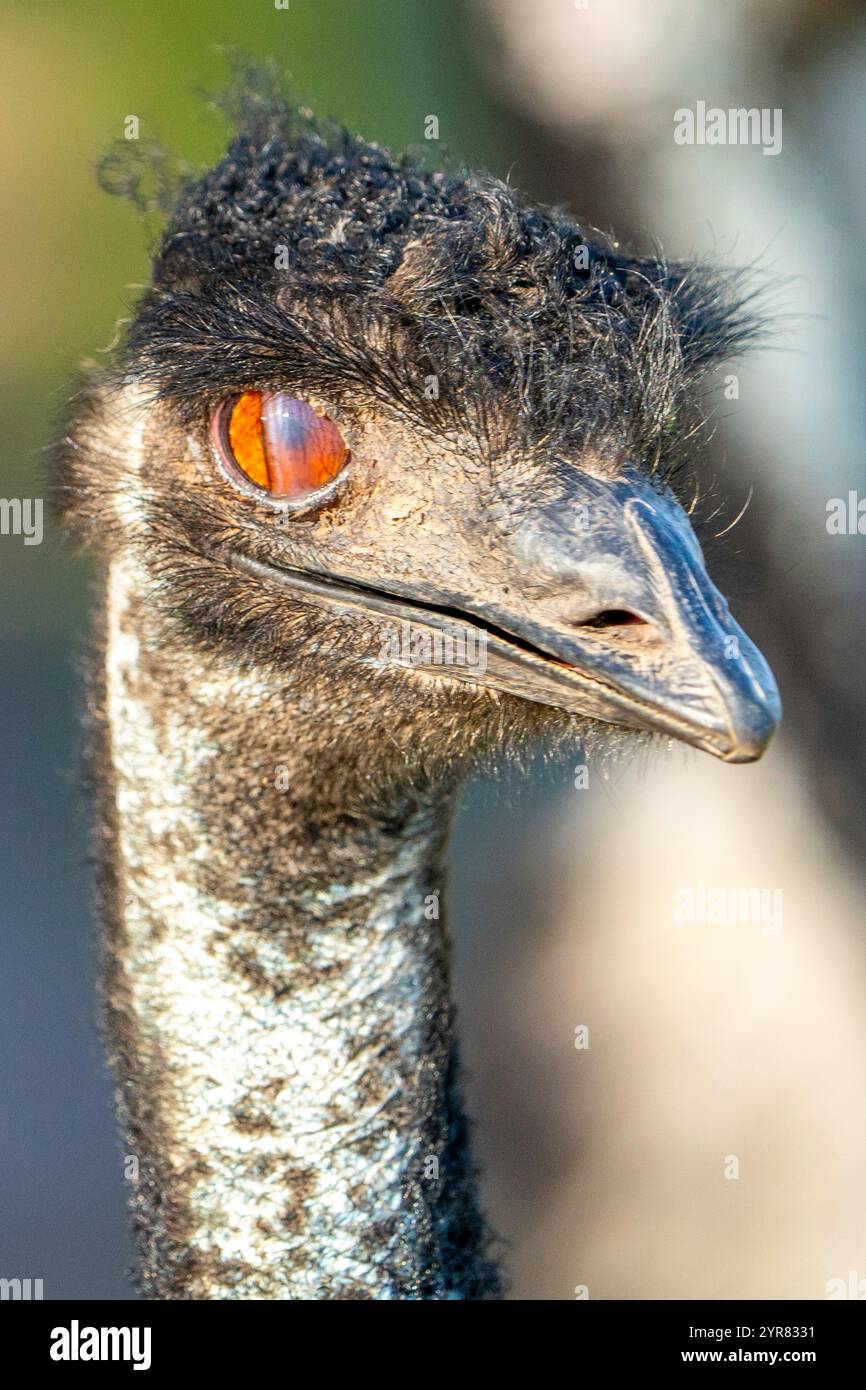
(311, 261)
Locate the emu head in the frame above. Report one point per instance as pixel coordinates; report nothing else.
(408, 443)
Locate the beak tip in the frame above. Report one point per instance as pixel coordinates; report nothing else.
(747, 752)
(751, 736)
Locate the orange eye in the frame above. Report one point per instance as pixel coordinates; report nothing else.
(278, 443)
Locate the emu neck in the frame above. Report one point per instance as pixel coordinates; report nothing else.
(277, 990)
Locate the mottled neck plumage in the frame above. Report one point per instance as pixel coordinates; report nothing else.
(277, 988)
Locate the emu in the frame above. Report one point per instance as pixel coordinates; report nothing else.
(271, 486)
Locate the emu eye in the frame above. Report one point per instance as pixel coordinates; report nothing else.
(277, 443)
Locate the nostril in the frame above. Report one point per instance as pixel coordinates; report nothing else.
(614, 617)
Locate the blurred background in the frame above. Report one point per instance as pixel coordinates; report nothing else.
(605, 1167)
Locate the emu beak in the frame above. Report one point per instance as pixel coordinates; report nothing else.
(639, 633)
(608, 612)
